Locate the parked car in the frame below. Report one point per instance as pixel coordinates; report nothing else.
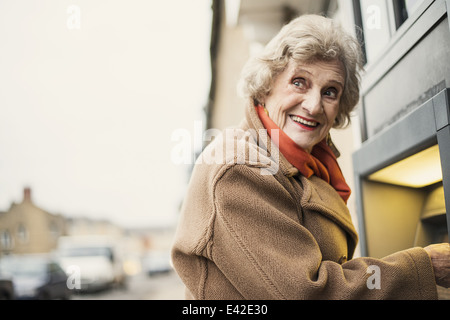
(155, 262)
(96, 262)
(36, 276)
(6, 287)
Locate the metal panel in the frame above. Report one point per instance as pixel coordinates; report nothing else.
(407, 36)
(441, 110)
(417, 77)
(410, 135)
(427, 125)
(444, 150)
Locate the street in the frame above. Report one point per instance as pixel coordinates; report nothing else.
(164, 286)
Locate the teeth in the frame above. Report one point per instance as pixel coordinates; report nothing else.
(302, 121)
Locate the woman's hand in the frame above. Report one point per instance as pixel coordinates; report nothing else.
(440, 260)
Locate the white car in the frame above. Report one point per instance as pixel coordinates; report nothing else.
(154, 262)
(92, 263)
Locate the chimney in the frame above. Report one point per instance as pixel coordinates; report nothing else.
(27, 194)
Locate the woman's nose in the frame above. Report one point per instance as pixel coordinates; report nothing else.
(313, 102)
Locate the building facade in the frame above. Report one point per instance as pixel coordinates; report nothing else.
(26, 228)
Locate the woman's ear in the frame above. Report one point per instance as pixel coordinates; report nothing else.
(257, 103)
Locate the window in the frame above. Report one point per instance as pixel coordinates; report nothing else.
(404, 9)
(412, 5)
(22, 233)
(376, 27)
(380, 20)
(5, 240)
(54, 229)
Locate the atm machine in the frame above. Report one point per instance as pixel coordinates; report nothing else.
(402, 182)
(402, 168)
(402, 178)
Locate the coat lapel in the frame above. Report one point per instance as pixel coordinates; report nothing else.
(320, 197)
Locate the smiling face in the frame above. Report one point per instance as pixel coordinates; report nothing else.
(304, 100)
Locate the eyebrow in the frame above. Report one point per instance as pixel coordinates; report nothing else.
(337, 82)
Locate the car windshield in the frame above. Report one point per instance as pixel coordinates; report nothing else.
(86, 251)
(31, 267)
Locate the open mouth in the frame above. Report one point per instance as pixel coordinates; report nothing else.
(308, 123)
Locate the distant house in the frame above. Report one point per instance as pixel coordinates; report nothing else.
(26, 228)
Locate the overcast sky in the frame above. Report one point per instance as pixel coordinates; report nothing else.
(90, 94)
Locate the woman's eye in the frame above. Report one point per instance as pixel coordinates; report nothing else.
(299, 82)
(332, 93)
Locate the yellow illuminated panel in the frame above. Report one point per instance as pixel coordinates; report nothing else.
(418, 170)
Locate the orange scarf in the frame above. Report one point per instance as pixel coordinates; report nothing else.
(322, 162)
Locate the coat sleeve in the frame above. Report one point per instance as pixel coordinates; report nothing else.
(267, 254)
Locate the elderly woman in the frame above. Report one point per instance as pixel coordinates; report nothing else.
(265, 215)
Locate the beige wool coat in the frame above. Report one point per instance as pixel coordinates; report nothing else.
(246, 233)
